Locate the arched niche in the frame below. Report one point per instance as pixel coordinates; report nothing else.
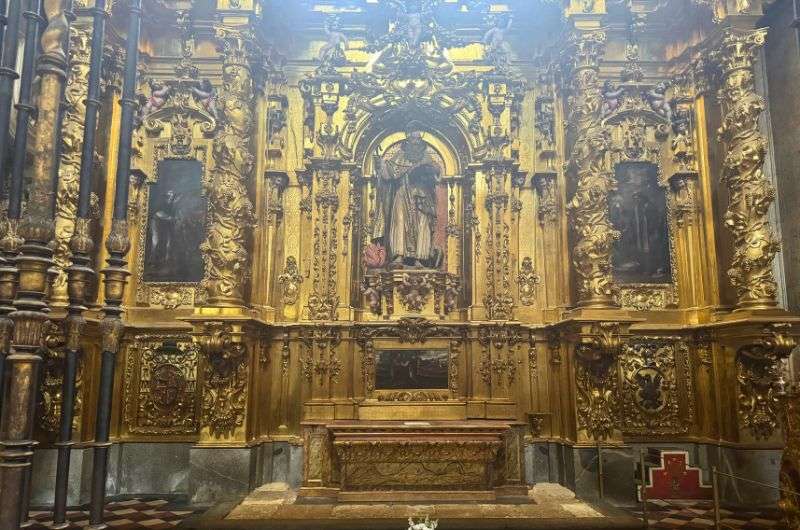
(439, 285)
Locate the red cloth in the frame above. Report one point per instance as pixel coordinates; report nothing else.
(374, 256)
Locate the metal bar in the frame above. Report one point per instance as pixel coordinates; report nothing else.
(600, 477)
(796, 21)
(764, 484)
(3, 21)
(715, 491)
(30, 237)
(645, 517)
(79, 273)
(115, 274)
(93, 104)
(8, 75)
(24, 108)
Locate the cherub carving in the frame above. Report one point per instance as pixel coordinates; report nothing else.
(657, 98)
(206, 96)
(332, 52)
(158, 97)
(611, 98)
(412, 16)
(498, 51)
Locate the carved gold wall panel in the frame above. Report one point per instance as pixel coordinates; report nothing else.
(162, 391)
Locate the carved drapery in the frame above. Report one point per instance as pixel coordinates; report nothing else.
(588, 207)
(231, 211)
(751, 192)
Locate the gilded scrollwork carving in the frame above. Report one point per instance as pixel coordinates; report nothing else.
(527, 279)
(790, 463)
(759, 380)
(225, 368)
(589, 208)
(231, 211)
(290, 280)
(597, 381)
(498, 300)
(499, 353)
(320, 358)
(414, 291)
(72, 144)
(751, 192)
(50, 400)
(646, 296)
(324, 300)
(547, 194)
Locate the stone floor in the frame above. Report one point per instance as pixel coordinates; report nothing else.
(158, 514)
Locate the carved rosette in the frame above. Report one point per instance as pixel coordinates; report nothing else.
(231, 211)
(751, 192)
(588, 208)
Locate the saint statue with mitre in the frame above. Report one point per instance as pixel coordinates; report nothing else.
(405, 213)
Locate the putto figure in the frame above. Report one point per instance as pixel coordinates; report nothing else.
(405, 216)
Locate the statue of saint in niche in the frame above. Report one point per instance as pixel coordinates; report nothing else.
(404, 224)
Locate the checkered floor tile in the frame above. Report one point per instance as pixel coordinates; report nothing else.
(700, 515)
(132, 514)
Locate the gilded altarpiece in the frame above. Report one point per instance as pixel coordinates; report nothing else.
(426, 203)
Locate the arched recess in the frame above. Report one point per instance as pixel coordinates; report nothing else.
(380, 132)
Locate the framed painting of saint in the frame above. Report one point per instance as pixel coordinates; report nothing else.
(177, 210)
(639, 212)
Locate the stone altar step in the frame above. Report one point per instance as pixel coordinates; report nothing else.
(552, 507)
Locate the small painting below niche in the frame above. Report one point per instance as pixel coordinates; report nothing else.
(639, 212)
(411, 369)
(177, 209)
